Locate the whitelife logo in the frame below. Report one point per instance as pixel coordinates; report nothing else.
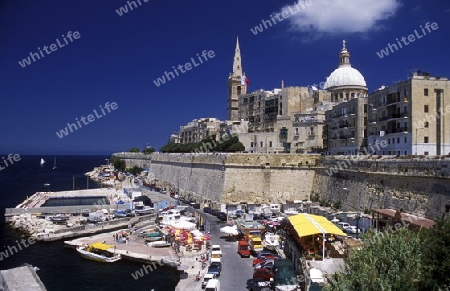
(35, 56)
(411, 38)
(188, 66)
(122, 10)
(86, 120)
(302, 4)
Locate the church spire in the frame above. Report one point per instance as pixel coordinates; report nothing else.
(344, 56)
(237, 65)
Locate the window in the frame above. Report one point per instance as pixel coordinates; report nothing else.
(239, 90)
(425, 108)
(425, 92)
(425, 139)
(261, 144)
(426, 153)
(270, 144)
(406, 141)
(426, 124)
(251, 144)
(398, 140)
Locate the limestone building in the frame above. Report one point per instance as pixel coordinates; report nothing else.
(411, 117)
(198, 129)
(345, 131)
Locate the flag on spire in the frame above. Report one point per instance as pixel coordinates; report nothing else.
(244, 81)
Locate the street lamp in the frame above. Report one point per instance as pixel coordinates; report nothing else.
(417, 128)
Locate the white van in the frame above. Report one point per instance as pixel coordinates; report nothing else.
(206, 278)
(213, 285)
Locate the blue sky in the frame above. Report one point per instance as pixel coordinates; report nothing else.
(116, 58)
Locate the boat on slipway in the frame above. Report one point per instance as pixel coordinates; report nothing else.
(98, 252)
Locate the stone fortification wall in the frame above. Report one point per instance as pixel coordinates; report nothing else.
(135, 159)
(418, 185)
(198, 175)
(275, 178)
(236, 178)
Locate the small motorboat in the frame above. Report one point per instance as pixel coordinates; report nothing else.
(159, 244)
(153, 234)
(59, 218)
(152, 239)
(98, 252)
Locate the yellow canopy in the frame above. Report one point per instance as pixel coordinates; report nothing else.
(101, 246)
(309, 224)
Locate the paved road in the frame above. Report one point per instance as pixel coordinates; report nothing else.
(235, 270)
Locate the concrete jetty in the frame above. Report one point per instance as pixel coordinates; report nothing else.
(21, 279)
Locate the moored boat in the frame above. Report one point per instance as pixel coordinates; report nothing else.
(270, 241)
(158, 244)
(98, 252)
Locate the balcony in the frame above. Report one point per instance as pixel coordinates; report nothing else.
(394, 116)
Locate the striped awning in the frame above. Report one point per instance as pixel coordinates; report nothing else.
(309, 224)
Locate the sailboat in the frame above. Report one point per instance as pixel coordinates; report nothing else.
(54, 164)
(42, 162)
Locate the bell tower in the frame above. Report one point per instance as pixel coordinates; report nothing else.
(236, 85)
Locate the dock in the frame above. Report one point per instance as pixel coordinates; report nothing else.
(22, 278)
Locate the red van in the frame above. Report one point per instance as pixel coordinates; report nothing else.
(243, 249)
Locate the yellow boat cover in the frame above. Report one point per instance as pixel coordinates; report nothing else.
(101, 246)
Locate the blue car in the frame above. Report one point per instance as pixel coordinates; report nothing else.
(214, 269)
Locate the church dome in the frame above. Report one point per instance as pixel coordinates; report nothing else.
(344, 75)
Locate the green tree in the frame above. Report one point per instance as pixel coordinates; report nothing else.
(148, 150)
(436, 256)
(134, 150)
(388, 261)
(135, 170)
(118, 163)
(236, 147)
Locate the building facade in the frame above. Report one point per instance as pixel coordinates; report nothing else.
(198, 129)
(345, 131)
(411, 117)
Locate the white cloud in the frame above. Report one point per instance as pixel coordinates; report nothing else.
(340, 16)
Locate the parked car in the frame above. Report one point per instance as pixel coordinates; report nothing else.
(222, 216)
(264, 254)
(213, 212)
(258, 284)
(214, 268)
(265, 265)
(263, 260)
(206, 209)
(264, 274)
(343, 225)
(213, 285)
(216, 248)
(352, 229)
(206, 278)
(243, 249)
(195, 205)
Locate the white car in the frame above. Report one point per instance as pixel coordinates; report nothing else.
(216, 249)
(344, 225)
(352, 229)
